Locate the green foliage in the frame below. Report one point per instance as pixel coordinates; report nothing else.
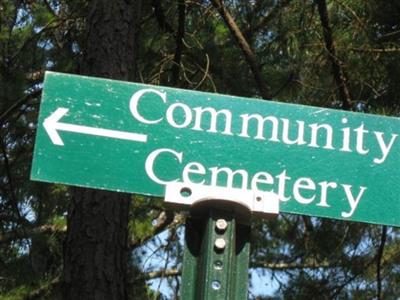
(307, 258)
(140, 223)
(16, 294)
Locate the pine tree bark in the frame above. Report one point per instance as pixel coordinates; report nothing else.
(96, 251)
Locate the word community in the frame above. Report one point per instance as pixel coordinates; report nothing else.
(269, 128)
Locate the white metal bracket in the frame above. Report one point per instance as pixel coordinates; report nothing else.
(244, 202)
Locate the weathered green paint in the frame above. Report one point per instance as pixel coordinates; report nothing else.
(209, 273)
(344, 165)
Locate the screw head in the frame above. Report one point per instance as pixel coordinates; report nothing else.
(221, 224)
(220, 244)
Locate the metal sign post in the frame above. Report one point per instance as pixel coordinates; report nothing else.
(217, 238)
(216, 258)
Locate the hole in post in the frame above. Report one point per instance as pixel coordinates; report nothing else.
(216, 285)
(186, 192)
(218, 265)
(258, 198)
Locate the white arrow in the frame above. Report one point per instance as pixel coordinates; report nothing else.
(52, 125)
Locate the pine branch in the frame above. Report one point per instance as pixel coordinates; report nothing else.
(23, 233)
(159, 274)
(179, 41)
(44, 290)
(358, 19)
(350, 279)
(17, 104)
(337, 68)
(264, 21)
(50, 9)
(244, 46)
(358, 49)
(166, 220)
(35, 36)
(375, 50)
(283, 266)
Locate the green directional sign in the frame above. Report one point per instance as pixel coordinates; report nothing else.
(137, 138)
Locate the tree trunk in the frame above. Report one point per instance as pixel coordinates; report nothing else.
(96, 252)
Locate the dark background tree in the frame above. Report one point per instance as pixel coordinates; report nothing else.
(96, 245)
(328, 53)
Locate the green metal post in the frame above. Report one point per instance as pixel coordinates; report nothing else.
(216, 258)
